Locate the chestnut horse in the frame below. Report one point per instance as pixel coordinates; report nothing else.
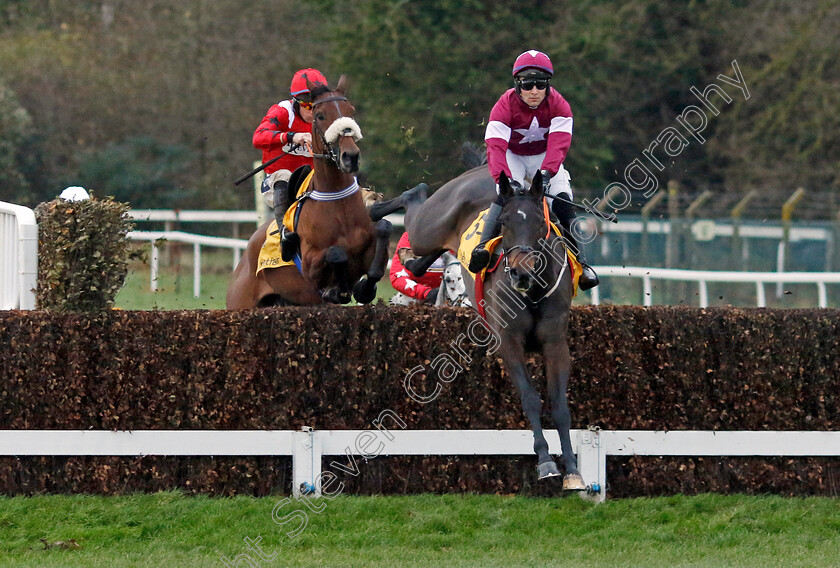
(526, 304)
(342, 251)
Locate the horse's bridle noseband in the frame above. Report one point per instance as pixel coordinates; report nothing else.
(332, 151)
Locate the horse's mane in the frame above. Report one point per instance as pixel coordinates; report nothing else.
(471, 156)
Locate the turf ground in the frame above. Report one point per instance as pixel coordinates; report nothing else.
(172, 530)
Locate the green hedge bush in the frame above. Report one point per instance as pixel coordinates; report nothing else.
(83, 253)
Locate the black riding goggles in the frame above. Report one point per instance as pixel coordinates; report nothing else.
(528, 84)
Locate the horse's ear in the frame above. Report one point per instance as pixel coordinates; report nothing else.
(536, 190)
(312, 86)
(505, 190)
(342, 85)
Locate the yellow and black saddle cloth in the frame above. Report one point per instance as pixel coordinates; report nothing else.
(270, 255)
(471, 237)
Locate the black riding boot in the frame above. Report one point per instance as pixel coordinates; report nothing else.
(289, 241)
(565, 213)
(480, 256)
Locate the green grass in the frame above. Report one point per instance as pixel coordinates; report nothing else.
(168, 529)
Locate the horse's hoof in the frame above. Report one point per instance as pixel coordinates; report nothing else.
(415, 266)
(364, 291)
(547, 469)
(573, 482)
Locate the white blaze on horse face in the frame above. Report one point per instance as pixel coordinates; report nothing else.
(344, 126)
(521, 212)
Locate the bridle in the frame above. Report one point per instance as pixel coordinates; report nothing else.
(527, 250)
(331, 149)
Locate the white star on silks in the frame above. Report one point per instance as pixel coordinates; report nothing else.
(402, 273)
(410, 284)
(533, 134)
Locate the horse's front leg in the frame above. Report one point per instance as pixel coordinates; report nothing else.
(557, 369)
(365, 289)
(336, 263)
(513, 355)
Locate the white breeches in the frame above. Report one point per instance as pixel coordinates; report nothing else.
(267, 187)
(523, 169)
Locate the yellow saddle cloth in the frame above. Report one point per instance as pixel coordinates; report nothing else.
(471, 237)
(270, 254)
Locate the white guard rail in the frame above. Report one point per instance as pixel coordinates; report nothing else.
(702, 277)
(308, 446)
(197, 241)
(18, 257)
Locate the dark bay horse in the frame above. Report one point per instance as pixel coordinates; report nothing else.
(526, 303)
(342, 251)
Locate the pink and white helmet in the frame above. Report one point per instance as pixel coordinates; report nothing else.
(533, 59)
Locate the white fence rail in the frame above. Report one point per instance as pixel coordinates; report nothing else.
(197, 241)
(703, 277)
(307, 447)
(18, 257)
(628, 224)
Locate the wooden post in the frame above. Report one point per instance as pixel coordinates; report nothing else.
(672, 252)
(259, 202)
(787, 214)
(735, 259)
(649, 206)
(689, 217)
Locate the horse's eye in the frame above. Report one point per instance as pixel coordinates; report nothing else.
(320, 116)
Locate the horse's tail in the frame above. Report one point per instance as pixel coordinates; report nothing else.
(472, 156)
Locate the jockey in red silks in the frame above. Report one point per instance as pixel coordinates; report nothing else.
(421, 289)
(287, 127)
(530, 130)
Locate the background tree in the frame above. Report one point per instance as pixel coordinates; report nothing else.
(193, 78)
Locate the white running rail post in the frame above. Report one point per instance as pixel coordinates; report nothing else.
(19, 257)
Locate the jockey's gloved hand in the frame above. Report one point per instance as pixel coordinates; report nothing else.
(431, 297)
(546, 181)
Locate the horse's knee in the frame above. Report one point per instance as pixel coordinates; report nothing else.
(335, 255)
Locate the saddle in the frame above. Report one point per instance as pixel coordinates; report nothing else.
(471, 237)
(299, 190)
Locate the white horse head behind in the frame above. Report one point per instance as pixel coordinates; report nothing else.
(453, 284)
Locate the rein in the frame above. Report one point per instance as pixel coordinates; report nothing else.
(524, 249)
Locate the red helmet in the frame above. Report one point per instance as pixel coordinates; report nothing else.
(299, 87)
(533, 59)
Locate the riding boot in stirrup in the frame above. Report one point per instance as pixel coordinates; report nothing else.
(289, 241)
(480, 257)
(588, 279)
(566, 215)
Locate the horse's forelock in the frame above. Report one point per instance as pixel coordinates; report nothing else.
(318, 90)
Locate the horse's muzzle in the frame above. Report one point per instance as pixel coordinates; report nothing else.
(521, 281)
(349, 162)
